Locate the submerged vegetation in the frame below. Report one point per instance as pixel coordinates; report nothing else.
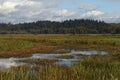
(65, 57)
(39, 61)
(94, 67)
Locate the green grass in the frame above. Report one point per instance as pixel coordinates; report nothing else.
(14, 44)
(10, 42)
(95, 67)
(92, 68)
(65, 57)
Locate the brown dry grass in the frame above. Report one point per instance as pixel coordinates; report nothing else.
(27, 52)
(39, 61)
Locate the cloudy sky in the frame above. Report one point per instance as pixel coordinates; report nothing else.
(18, 11)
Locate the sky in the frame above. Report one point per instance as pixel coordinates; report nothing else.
(20, 11)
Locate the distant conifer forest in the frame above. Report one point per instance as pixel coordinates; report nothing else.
(77, 26)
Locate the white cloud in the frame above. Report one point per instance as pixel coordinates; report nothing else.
(9, 6)
(111, 18)
(63, 13)
(92, 14)
(32, 10)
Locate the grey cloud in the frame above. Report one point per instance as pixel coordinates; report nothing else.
(33, 10)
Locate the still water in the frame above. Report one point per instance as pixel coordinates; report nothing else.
(6, 63)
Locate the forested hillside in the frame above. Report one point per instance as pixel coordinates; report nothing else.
(66, 27)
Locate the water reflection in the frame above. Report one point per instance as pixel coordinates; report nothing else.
(9, 62)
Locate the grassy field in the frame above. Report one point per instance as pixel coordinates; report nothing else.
(95, 67)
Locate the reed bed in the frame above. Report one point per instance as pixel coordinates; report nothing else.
(95, 67)
(92, 68)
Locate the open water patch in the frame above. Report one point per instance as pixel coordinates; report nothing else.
(6, 63)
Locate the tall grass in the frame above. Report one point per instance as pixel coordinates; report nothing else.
(91, 68)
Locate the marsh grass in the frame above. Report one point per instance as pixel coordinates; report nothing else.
(82, 55)
(39, 61)
(27, 52)
(62, 51)
(92, 68)
(65, 57)
(25, 45)
(95, 67)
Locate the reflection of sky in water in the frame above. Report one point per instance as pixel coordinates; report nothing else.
(88, 52)
(66, 62)
(8, 62)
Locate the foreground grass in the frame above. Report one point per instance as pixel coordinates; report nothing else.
(93, 67)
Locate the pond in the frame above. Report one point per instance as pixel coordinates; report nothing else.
(62, 58)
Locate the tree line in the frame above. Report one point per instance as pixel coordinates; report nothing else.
(77, 26)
